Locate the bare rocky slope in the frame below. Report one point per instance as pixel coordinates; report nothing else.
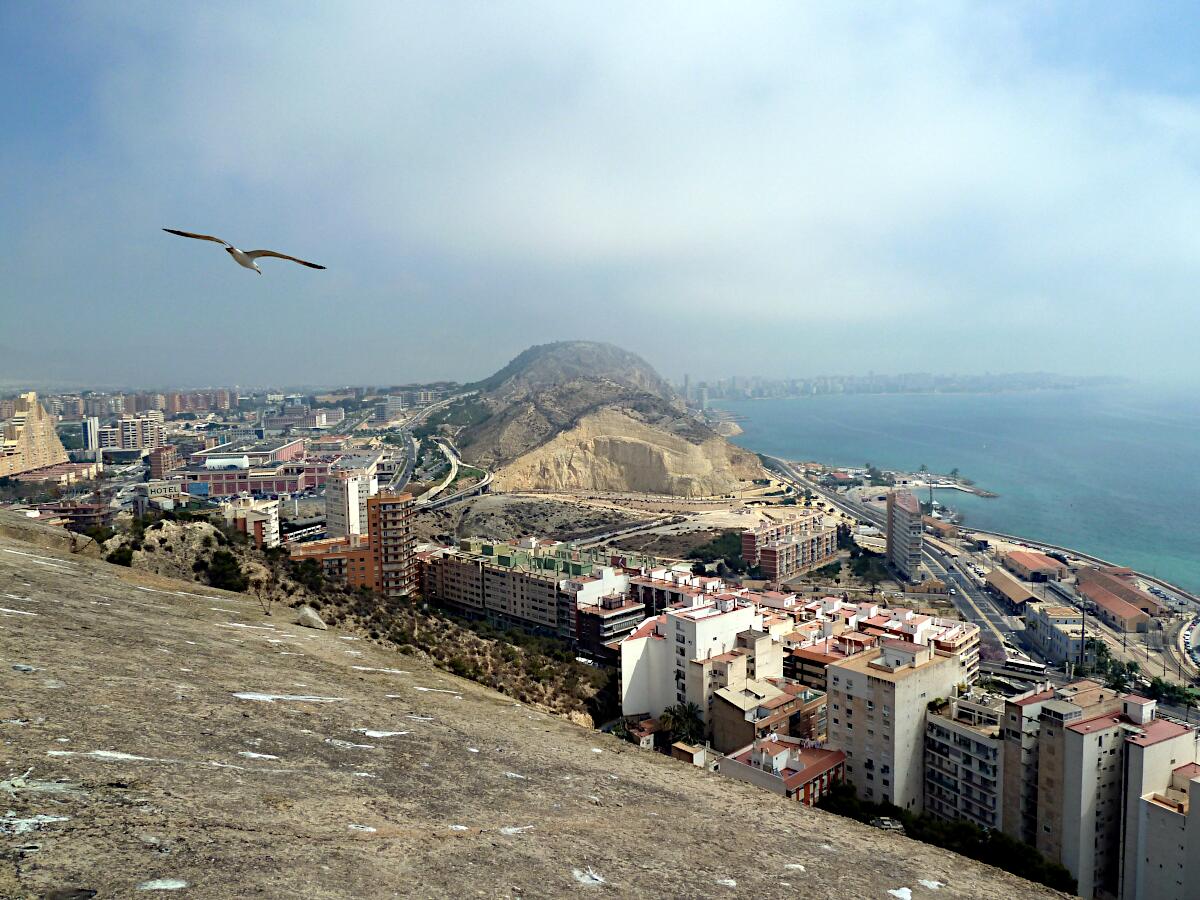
(157, 734)
(611, 450)
(579, 415)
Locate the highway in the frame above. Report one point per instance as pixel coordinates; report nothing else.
(452, 457)
(404, 476)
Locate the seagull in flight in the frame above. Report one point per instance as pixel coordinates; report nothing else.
(244, 258)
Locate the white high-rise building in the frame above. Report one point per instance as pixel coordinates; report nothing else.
(350, 483)
(91, 435)
(905, 533)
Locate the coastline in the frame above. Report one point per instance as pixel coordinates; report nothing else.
(1094, 469)
(1040, 545)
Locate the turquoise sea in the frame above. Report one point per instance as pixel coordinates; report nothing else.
(1113, 471)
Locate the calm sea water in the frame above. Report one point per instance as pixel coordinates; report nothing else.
(1112, 471)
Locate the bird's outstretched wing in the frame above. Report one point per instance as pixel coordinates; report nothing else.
(255, 254)
(199, 237)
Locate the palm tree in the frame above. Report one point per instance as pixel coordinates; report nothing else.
(684, 721)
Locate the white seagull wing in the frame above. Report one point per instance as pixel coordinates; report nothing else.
(255, 254)
(199, 237)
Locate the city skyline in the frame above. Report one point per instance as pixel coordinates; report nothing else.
(983, 189)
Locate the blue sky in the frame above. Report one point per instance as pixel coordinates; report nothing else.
(723, 188)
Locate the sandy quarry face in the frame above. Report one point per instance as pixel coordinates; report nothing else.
(169, 736)
(611, 451)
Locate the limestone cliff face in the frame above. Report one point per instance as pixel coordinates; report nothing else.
(610, 450)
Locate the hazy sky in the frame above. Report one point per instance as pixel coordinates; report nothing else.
(725, 188)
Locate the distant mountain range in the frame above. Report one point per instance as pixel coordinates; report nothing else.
(754, 387)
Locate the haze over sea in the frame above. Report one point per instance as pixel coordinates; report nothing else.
(1112, 471)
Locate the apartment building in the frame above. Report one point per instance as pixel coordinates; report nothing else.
(89, 428)
(1077, 762)
(658, 587)
(964, 760)
(257, 519)
(390, 531)
(789, 767)
(352, 481)
(345, 560)
(685, 654)
(785, 548)
(603, 624)
(755, 709)
(1022, 748)
(28, 439)
(383, 560)
(808, 665)
(163, 459)
(142, 431)
(877, 705)
(946, 637)
(1162, 828)
(905, 534)
(832, 630)
(535, 585)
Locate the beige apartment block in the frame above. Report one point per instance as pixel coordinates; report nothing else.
(1078, 763)
(877, 705)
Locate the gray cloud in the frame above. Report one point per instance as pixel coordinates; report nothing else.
(780, 189)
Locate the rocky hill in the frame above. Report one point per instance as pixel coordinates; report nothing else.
(579, 415)
(158, 735)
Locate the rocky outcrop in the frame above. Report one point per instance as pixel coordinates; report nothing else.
(580, 415)
(20, 527)
(611, 450)
(307, 616)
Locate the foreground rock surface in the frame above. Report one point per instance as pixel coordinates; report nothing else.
(173, 733)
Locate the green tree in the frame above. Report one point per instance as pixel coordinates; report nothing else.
(122, 556)
(684, 722)
(225, 573)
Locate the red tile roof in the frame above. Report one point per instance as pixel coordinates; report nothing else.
(1034, 561)
(1158, 730)
(646, 629)
(1035, 698)
(1109, 601)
